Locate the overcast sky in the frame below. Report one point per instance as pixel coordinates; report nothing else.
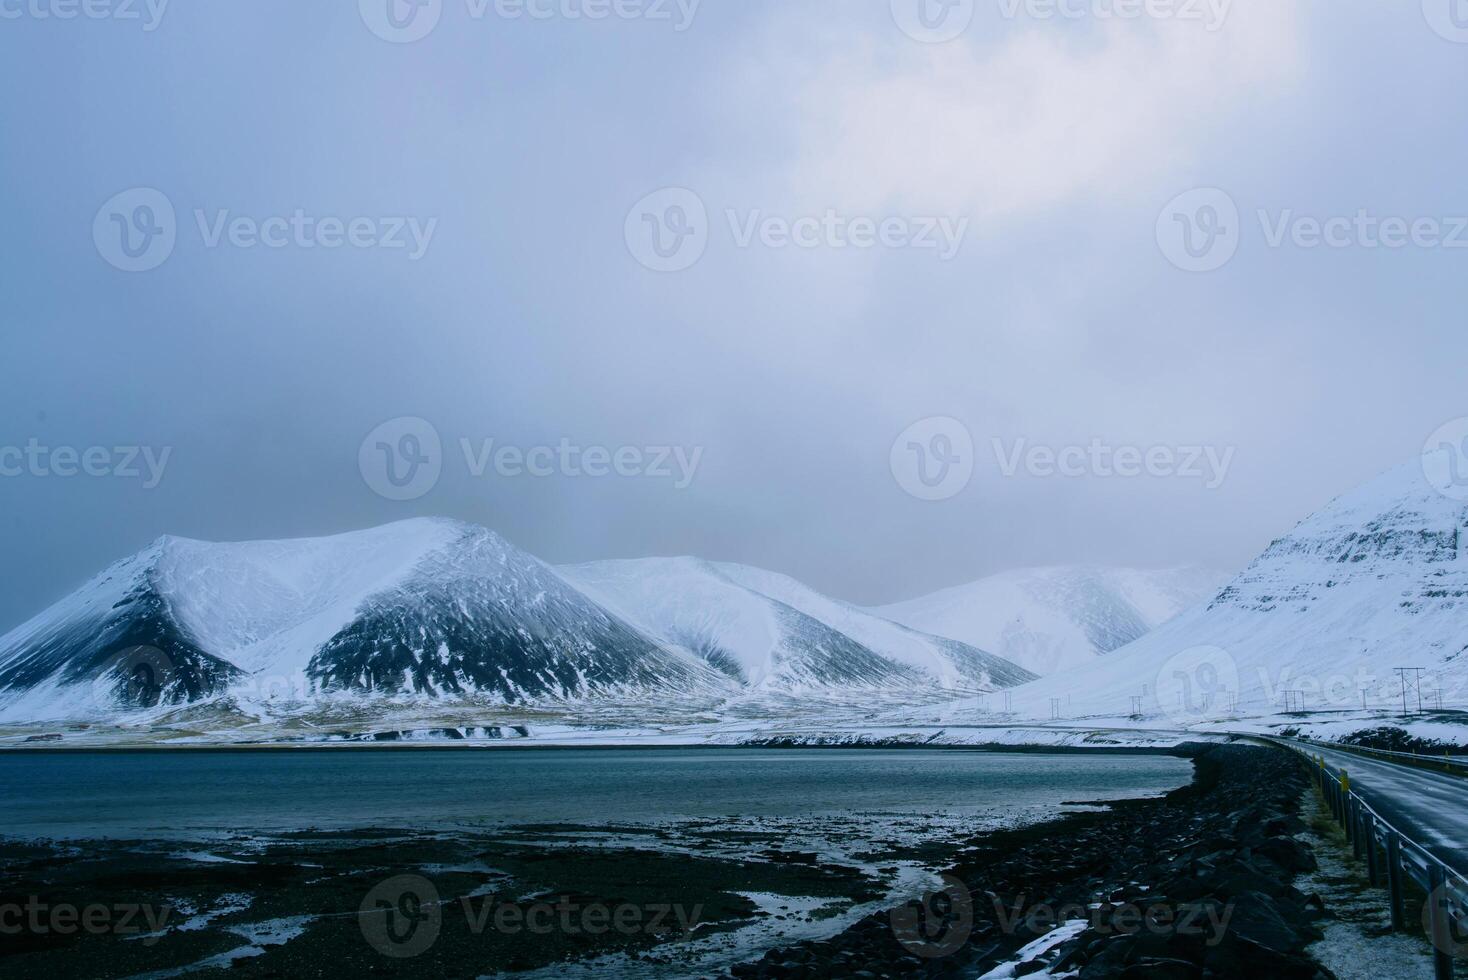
(994, 236)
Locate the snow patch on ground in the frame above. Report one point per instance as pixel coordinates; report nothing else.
(1358, 943)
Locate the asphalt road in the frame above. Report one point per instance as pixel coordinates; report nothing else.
(1430, 808)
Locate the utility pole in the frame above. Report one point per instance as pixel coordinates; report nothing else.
(1006, 702)
(1136, 706)
(1414, 682)
(1054, 709)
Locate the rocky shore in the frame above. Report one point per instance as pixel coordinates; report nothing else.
(1193, 885)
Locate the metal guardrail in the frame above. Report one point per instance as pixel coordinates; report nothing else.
(1443, 763)
(1392, 858)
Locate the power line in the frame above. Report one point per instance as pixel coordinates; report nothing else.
(1412, 683)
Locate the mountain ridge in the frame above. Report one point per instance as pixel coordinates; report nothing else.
(430, 609)
(1055, 618)
(775, 631)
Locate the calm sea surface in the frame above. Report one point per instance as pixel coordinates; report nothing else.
(188, 794)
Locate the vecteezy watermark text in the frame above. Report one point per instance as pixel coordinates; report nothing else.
(1207, 920)
(1099, 459)
(301, 230)
(937, 21)
(145, 463)
(406, 21)
(941, 922)
(39, 918)
(403, 458)
(935, 458)
(833, 230)
(1210, 13)
(403, 916)
(138, 229)
(1201, 230)
(566, 458)
(147, 13)
(669, 230)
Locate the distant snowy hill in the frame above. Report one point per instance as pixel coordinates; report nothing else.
(1376, 580)
(422, 607)
(1055, 619)
(770, 632)
(438, 612)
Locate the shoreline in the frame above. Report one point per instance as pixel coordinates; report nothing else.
(762, 881)
(449, 746)
(1062, 894)
(1233, 863)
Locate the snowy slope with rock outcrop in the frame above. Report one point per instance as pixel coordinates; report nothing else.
(424, 615)
(1056, 619)
(422, 607)
(771, 633)
(1377, 579)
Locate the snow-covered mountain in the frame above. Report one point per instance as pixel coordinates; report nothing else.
(1377, 579)
(1056, 619)
(445, 612)
(770, 632)
(422, 607)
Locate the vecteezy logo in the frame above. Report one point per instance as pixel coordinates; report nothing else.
(938, 925)
(1448, 936)
(401, 459)
(668, 230)
(1449, 18)
(401, 21)
(138, 677)
(1445, 460)
(933, 21)
(1200, 682)
(136, 230)
(933, 459)
(1199, 231)
(401, 917)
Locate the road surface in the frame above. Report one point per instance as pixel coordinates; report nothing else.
(1429, 808)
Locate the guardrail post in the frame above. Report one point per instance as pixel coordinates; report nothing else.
(1437, 922)
(1394, 880)
(1373, 873)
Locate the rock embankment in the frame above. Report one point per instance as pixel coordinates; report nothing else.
(1196, 884)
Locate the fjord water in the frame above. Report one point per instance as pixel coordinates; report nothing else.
(192, 794)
